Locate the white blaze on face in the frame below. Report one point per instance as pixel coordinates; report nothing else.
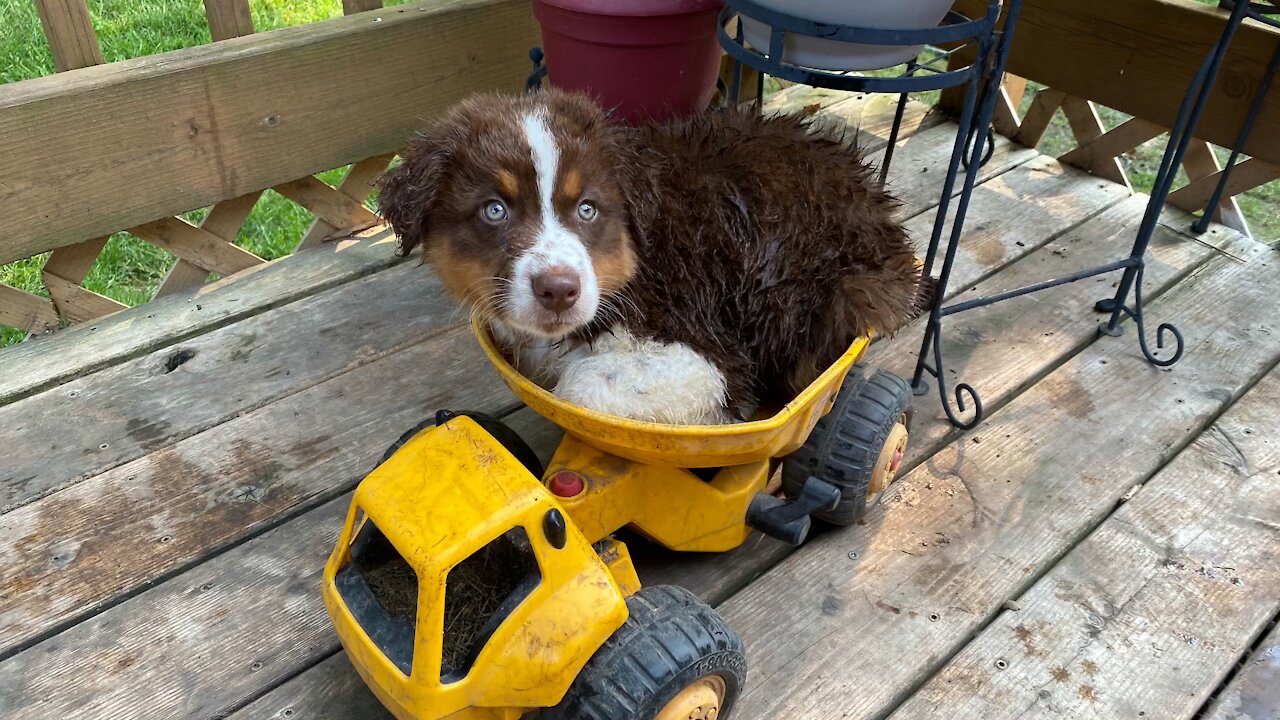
(554, 247)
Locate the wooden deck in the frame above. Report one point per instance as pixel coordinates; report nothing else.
(1103, 546)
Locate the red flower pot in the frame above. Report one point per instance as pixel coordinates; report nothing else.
(642, 59)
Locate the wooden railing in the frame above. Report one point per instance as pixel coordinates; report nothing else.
(1138, 57)
(97, 148)
(134, 144)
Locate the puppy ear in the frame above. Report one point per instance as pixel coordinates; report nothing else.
(409, 191)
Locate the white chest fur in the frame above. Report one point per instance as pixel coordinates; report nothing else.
(623, 375)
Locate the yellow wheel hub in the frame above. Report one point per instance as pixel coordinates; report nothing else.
(699, 701)
(886, 470)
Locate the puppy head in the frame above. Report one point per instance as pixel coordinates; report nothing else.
(517, 203)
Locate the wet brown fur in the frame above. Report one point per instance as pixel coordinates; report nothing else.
(764, 244)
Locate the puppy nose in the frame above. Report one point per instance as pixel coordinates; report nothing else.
(557, 288)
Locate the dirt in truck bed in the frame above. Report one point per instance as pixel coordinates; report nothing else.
(477, 588)
(474, 590)
(395, 585)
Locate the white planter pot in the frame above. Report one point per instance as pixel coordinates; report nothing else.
(834, 55)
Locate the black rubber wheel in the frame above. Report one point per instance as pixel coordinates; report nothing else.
(846, 444)
(672, 647)
(508, 438)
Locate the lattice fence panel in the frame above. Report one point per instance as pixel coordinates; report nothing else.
(1098, 149)
(204, 249)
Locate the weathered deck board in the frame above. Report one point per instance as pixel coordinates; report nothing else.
(1001, 350)
(919, 162)
(329, 691)
(1016, 212)
(918, 167)
(1254, 693)
(199, 645)
(1026, 353)
(115, 391)
(870, 115)
(77, 550)
(1147, 615)
(157, 399)
(272, 579)
(40, 363)
(977, 523)
(228, 608)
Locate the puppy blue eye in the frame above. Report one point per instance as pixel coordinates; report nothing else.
(494, 211)
(587, 211)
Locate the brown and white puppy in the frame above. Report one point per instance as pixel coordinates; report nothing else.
(687, 272)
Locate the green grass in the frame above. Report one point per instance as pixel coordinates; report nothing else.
(129, 270)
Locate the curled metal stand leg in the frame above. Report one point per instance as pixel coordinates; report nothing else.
(986, 155)
(971, 142)
(1135, 313)
(975, 130)
(1161, 329)
(1180, 137)
(933, 342)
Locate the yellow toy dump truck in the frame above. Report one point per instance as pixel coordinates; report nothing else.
(470, 584)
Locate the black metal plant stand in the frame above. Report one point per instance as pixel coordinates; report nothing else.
(973, 145)
(1180, 136)
(974, 137)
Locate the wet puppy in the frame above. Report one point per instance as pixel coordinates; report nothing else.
(692, 272)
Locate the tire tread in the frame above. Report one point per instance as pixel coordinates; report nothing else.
(668, 632)
(846, 442)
